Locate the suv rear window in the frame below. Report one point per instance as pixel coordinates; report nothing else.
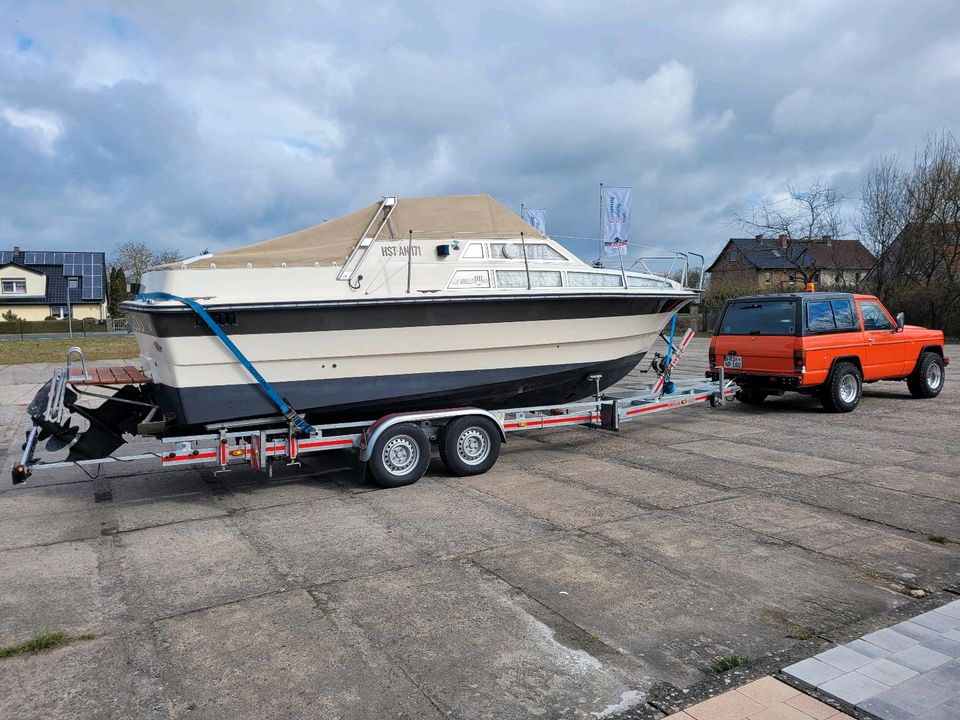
(759, 317)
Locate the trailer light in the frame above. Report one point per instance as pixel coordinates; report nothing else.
(712, 355)
(238, 452)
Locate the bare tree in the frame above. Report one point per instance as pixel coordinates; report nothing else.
(928, 258)
(806, 214)
(884, 212)
(136, 257)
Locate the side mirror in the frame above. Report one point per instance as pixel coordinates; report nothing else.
(901, 318)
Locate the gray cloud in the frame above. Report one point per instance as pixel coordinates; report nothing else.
(222, 123)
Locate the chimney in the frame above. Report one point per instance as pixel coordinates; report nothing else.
(828, 240)
(17, 254)
(759, 237)
(783, 241)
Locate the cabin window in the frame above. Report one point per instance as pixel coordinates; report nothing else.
(873, 317)
(634, 281)
(592, 279)
(15, 286)
(514, 251)
(768, 277)
(470, 279)
(473, 252)
(223, 319)
(538, 278)
(733, 256)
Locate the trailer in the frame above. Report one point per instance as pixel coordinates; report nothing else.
(395, 449)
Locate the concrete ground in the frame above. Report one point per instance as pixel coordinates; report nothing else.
(589, 574)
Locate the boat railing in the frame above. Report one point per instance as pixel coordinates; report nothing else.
(679, 264)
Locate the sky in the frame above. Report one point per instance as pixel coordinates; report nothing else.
(208, 125)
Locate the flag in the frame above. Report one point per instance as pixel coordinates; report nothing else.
(615, 218)
(536, 218)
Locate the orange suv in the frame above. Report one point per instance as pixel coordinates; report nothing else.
(824, 343)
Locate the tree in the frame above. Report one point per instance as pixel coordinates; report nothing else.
(806, 214)
(116, 291)
(884, 212)
(135, 257)
(927, 260)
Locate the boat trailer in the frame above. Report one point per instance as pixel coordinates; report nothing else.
(395, 448)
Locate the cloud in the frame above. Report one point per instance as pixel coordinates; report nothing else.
(213, 124)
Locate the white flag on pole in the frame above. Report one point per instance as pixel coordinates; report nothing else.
(615, 216)
(536, 218)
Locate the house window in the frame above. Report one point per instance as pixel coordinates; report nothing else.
(15, 286)
(768, 277)
(838, 278)
(733, 256)
(857, 277)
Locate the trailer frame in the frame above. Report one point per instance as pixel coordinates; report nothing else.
(263, 443)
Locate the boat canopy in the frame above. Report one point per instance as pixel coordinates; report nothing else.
(330, 243)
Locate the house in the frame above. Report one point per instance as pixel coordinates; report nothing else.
(921, 250)
(783, 263)
(34, 284)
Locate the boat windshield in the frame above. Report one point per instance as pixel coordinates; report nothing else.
(759, 317)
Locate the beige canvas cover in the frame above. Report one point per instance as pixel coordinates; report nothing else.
(441, 217)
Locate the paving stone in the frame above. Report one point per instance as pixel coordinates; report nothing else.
(945, 676)
(813, 672)
(890, 640)
(853, 687)
(916, 695)
(886, 711)
(929, 638)
(951, 609)
(729, 706)
(768, 691)
(867, 648)
(950, 710)
(811, 706)
(937, 622)
(952, 635)
(887, 671)
(920, 658)
(780, 711)
(844, 658)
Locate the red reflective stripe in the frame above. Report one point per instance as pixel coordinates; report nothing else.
(199, 456)
(672, 403)
(326, 443)
(539, 422)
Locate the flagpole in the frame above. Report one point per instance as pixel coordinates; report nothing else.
(600, 255)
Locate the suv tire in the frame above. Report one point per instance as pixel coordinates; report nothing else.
(926, 381)
(841, 393)
(751, 396)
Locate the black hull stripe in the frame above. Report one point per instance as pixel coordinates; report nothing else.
(164, 323)
(368, 398)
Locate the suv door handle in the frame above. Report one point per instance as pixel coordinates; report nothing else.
(871, 339)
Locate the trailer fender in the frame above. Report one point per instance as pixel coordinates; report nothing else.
(373, 432)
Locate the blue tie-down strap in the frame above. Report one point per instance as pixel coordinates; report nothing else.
(288, 412)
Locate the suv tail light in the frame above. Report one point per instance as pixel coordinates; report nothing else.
(799, 361)
(712, 357)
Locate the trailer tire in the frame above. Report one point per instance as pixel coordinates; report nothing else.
(841, 393)
(926, 381)
(400, 456)
(470, 445)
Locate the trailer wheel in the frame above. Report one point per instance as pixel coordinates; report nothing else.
(926, 381)
(400, 456)
(470, 445)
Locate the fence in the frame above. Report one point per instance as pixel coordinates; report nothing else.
(23, 328)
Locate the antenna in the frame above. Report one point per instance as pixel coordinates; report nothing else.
(409, 260)
(526, 265)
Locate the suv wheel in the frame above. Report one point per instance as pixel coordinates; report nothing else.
(751, 396)
(841, 393)
(926, 381)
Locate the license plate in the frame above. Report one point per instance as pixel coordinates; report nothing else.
(733, 361)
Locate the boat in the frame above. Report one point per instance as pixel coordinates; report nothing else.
(407, 304)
